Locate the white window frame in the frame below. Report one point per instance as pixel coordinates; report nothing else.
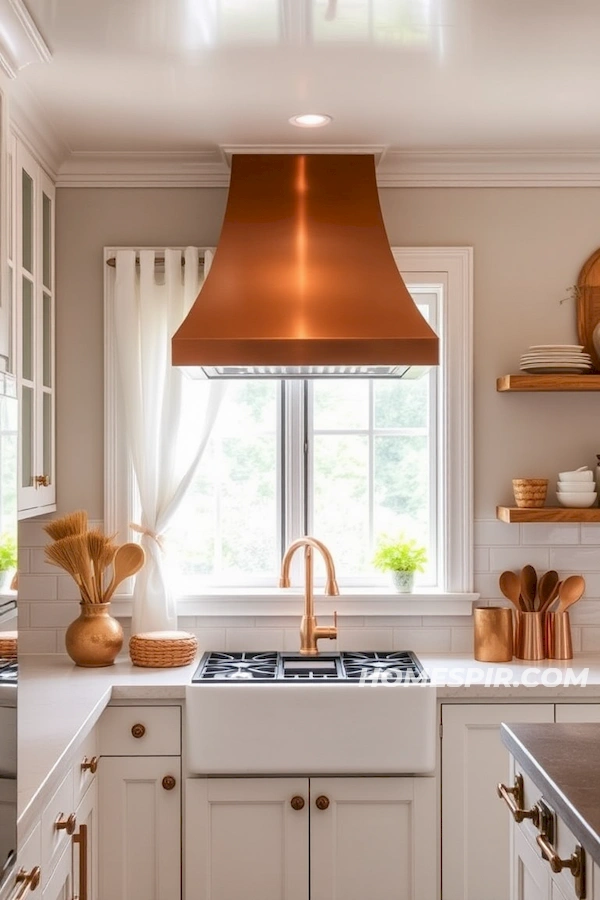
(450, 270)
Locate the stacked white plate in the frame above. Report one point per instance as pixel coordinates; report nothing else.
(576, 489)
(545, 359)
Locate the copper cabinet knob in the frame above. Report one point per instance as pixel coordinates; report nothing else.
(297, 802)
(69, 824)
(90, 764)
(138, 731)
(168, 782)
(322, 802)
(28, 881)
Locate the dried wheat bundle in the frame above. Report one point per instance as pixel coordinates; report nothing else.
(102, 552)
(73, 523)
(71, 553)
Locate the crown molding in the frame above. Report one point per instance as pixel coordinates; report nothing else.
(21, 42)
(395, 168)
(32, 127)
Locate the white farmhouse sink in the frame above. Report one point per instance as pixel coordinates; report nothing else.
(310, 728)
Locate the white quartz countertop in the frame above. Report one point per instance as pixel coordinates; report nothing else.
(59, 703)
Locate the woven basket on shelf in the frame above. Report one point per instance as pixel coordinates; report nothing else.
(162, 649)
(530, 492)
(8, 644)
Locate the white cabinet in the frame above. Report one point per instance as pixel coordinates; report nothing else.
(32, 273)
(327, 838)
(475, 825)
(60, 884)
(140, 803)
(577, 712)
(85, 846)
(140, 828)
(530, 874)
(6, 284)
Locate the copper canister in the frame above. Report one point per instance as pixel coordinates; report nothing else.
(529, 636)
(558, 635)
(492, 634)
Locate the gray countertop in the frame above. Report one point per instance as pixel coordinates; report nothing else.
(563, 761)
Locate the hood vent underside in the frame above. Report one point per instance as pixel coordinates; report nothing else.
(303, 283)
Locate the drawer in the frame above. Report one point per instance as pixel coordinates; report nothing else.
(87, 755)
(30, 851)
(140, 731)
(54, 839)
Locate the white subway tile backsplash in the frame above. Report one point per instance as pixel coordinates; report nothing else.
(575, 559)
(492, 533)
(481, 559)
(555, 533)
(515, 558)
(37, 587)
(47, 598)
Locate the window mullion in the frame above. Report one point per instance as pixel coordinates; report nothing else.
(294, 440)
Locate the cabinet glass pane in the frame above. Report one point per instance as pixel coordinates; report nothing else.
(9, 199)
(47, 341)
(47, 241)
(27, 437)
(47, 434)
(27, 331)
(27, 203)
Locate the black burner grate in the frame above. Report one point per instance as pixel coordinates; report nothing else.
(217, 666)
(8, 671)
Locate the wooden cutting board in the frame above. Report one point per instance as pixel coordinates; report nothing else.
(588, 305)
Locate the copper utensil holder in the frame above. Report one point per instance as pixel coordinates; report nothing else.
(492, 633)
(530, 641)
(558, 635)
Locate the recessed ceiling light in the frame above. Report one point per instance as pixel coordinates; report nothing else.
(310, 120)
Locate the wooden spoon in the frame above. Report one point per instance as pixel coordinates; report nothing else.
(546, 587)
(511, 588)
(529, 586)
(128, 560)
(570, 591)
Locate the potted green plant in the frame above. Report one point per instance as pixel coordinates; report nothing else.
(8, 560)
(402, 557)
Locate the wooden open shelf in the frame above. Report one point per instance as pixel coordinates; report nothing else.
(548, 383)
(547, 514)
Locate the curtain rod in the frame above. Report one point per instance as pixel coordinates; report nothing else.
(158, 261)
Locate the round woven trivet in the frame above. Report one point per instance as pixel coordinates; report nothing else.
(162, 649)
(8, 644)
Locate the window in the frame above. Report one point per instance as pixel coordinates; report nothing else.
(343, 460)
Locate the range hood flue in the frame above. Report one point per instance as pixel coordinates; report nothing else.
(303, 283)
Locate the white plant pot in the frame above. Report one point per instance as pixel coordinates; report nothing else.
(403, 581)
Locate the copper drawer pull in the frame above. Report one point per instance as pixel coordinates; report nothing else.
(575, 863)
(297, 803)
(168, 782)
(42, 481)
(322, 802)
(138, 731)
(26, 882)
(69, 824)
(90, 765)
(513, 797)
(81, 839)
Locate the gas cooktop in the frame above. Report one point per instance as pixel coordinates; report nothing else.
(271, 666)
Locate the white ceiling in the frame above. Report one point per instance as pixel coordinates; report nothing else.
(190, 75)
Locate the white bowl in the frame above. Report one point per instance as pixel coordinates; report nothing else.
(576, 501)
(576, 487)
(584, 475)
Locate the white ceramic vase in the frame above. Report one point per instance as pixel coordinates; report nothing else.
(403, 581)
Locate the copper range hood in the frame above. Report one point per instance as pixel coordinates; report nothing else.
(303, 283)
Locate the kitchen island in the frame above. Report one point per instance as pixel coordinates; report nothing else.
(563, 761)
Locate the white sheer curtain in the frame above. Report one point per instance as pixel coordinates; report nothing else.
(149, 305)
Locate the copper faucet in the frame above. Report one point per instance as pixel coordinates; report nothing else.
(310, 632)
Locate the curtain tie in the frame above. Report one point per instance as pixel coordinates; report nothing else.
(141, 529)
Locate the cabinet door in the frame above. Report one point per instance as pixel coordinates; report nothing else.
(244, 839)
(577, 712)
(475, 823)
(530, 874)
(139, 828)
(60, 884)
(375, 838)
(85, 847)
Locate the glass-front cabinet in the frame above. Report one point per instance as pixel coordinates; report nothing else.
(33, 276)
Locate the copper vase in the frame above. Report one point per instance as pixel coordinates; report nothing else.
(529, 635)
(95, 638)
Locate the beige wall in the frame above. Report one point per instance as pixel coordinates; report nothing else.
(528, 247)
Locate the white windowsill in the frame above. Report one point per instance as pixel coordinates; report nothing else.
(351, 602)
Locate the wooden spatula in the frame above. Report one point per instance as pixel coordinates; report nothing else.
(510, 586)
(128, 560)
(547, 586)
(570, 591)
